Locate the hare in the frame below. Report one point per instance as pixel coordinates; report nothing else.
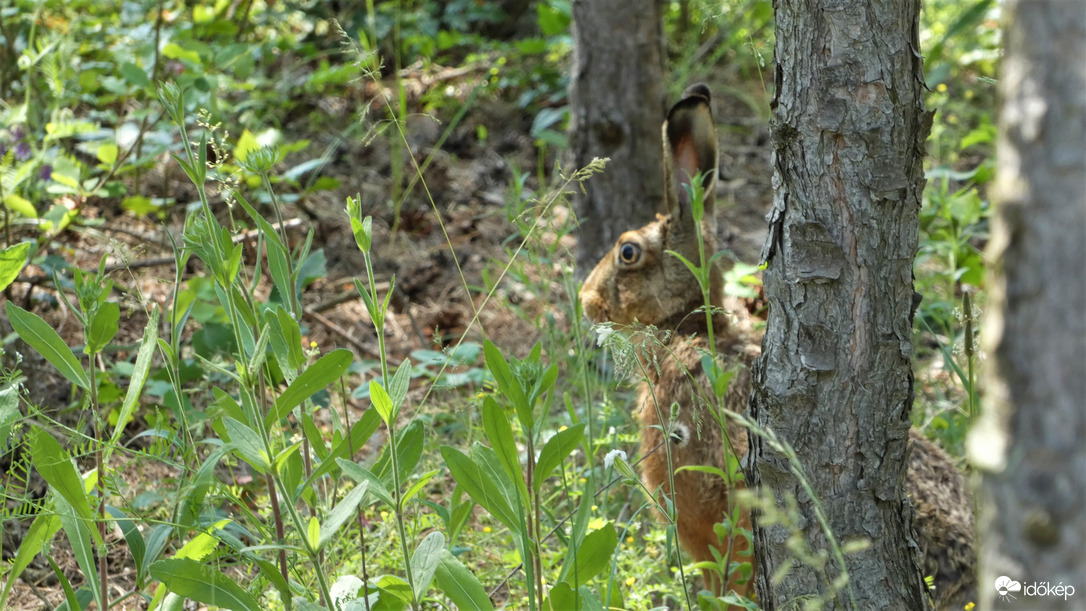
(639, 281)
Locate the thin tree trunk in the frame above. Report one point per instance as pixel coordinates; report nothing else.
(617, 104)
(834, 380)
(1029, 444)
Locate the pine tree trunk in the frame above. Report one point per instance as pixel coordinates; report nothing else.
(617, 104)
(834, 380)
(1029, 444)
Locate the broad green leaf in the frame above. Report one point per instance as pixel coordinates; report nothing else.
(419, 484)
(460, 584)
(12, 262)
(313, 534)
(41, 337)
(107, 153)
(138, 378)
(480, 488)
(425, 560)
(20, 204)
(578, 530)
(248, 445)
(56, 468)
(79, 531)
(103, 327)
(340, 514)
(204, 584)
(500, 436)
(135, 75)
(246, 143)
(365, 477)
(316, 377)
(560, 598)
(175, 51)
(132, 536)
(594, 555)
(401, 380)
(508, 384)
(382, 402)
(42, 529)
(555, 451)
(361, 431)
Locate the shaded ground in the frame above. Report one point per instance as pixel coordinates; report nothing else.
(469, 181)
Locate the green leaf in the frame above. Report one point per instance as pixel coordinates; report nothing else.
(365, 477)
(12, 262)
(555, 451)
(577, 532)
(103, 327)
(41, 337)
(246, 143)
(56, 468)
(42, 529)
(313, 533)
(481, 489)
(107, 153)
(79, 533)
(132, 536)
(20, 204)
(508, 384)
(460, 584)
(248, 445)
(316, 377)
(382, 403)
(361, 431)
(500, 435)
(176, 51)
(202, 583)
(135, 75)
(138, 378)
(341, 513)
(594, 555)
(425, 560)
(401, 380)
(419, 484)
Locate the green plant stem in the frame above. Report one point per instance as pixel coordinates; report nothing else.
(397, 494)
(103, 553)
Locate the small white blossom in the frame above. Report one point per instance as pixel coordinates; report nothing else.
(602, 333)
(609, 460)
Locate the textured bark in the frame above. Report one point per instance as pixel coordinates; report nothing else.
(835, 380)
(1029, 443)
(617, 103)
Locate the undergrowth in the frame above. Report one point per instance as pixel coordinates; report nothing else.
(477, 471)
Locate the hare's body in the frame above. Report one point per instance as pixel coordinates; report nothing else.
(639, 281)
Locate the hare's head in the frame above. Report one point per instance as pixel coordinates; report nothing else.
(639, 280)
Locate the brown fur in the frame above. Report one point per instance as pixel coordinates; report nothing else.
(657, 289)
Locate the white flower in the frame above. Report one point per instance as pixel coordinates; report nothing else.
(602, 333)
(609, 460)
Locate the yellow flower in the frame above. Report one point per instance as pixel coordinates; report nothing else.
(941, 87)
(630, 581)
(630, 540)
(312, 344)
(582, 481)
(969, 606)
(595, 507)
(487, 529)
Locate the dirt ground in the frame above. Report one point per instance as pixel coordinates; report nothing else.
(468, 181)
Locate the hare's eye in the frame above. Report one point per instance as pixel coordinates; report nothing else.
(629, 253)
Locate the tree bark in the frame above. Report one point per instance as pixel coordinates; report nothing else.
(834, 380)
(617, 104)
(1028, 444)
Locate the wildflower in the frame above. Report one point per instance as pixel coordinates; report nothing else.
(969, 606)
(22, 151)
(583, 480)
(630, 581)
(45, 172)
(595, 507)
(602, 333)
(312, 344)
(941, 88)
(629, 540)
(609, 460)
(488, 529)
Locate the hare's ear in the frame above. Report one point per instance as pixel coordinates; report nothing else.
(691, 147)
